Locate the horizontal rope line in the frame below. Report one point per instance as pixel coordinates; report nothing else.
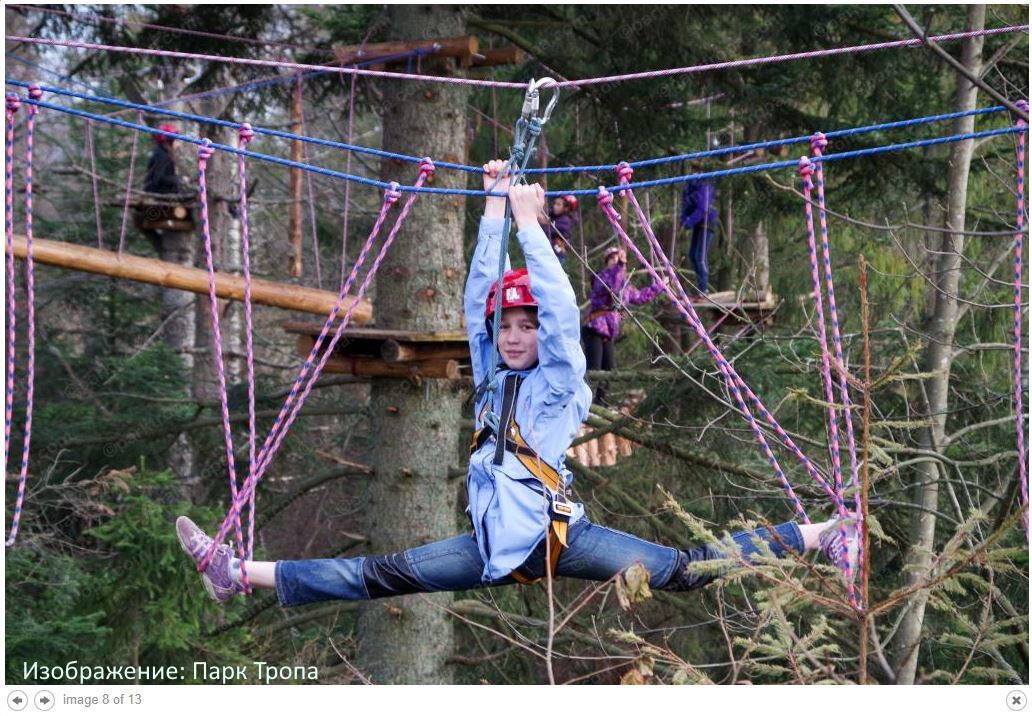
(752, 169)
(523, 85)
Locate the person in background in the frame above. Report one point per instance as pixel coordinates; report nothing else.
(161, 177)
(610, 289)
(558, 225)
(699, 215)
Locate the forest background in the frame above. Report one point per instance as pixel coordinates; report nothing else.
(126, 430)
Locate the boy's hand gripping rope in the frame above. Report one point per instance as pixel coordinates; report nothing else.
(30, 310)
(300, 390)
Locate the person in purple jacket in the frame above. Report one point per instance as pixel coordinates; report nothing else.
(699, 215)
(558, 225)
(610, 290)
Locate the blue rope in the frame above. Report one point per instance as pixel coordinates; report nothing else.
(235, 125)
(774, 142)
(550, 170)
(752, 169)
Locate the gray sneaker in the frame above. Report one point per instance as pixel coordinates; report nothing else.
(217, 578)
(843, 553)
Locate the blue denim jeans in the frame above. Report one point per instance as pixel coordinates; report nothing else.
(702, 235)
(595, 552)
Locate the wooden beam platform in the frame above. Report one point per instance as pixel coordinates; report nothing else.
(731, 301)
(462, 47)
(195, 280)
(390, 353)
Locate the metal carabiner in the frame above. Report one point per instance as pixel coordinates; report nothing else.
(532, 102)
(548, 82)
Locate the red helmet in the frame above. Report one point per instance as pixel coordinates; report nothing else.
(571, 201)
(515, 292)
(161, 138)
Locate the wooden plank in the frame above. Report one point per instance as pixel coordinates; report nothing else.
(162, 273)
(394, 351)
(500, 56)
(730, 300)
(383, 334)
(462, 47)
(379, 368)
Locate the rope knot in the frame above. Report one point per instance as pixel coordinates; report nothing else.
(534, 127)
(426, 166)
(13, 103)
(624, 172)
(1023, 106)
(605, 201)
(818, 142)
(245, 134)
(391, 194)
(35, 92)
(806, 167)
(204, 152)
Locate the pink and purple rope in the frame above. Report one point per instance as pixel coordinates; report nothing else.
(204, 153)
(298, 394)
(244, 136)
(12, 104)
(807, 169)
(711, 67)
(93, 177)
(605, 200)
(696, 323)
(1019, 228)
(129, 186)
(30, 311)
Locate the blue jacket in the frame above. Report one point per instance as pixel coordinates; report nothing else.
(507, 506)
(697, 205)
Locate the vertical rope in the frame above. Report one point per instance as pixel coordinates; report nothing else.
(12, 105)
(1019, 227)
(30, 310)
(806, 170)
(129, 186)
(311, 202)
(817, 144)
(288, 413)
(347, 184)
(93, 178)
(204, 153)
(687, 310)
(605, 200)
(245, 134)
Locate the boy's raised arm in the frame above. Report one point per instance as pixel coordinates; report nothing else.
(483, 272)
(559, 350)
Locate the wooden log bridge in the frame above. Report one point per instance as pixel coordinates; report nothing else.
(383, 353)
(169, 275)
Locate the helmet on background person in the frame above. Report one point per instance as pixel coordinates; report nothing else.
(161, 138)
(571, 201)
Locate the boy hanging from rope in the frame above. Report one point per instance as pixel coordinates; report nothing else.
(518, 487)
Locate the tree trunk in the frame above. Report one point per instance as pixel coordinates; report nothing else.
(178, 316)
(408, 639)
(940, 329)
(755, 258)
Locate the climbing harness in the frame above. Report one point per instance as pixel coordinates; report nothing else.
(552, 481)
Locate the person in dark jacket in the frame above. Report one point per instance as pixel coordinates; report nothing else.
(161, 175)
(558, 226)
(699, 215)
(161, 168)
